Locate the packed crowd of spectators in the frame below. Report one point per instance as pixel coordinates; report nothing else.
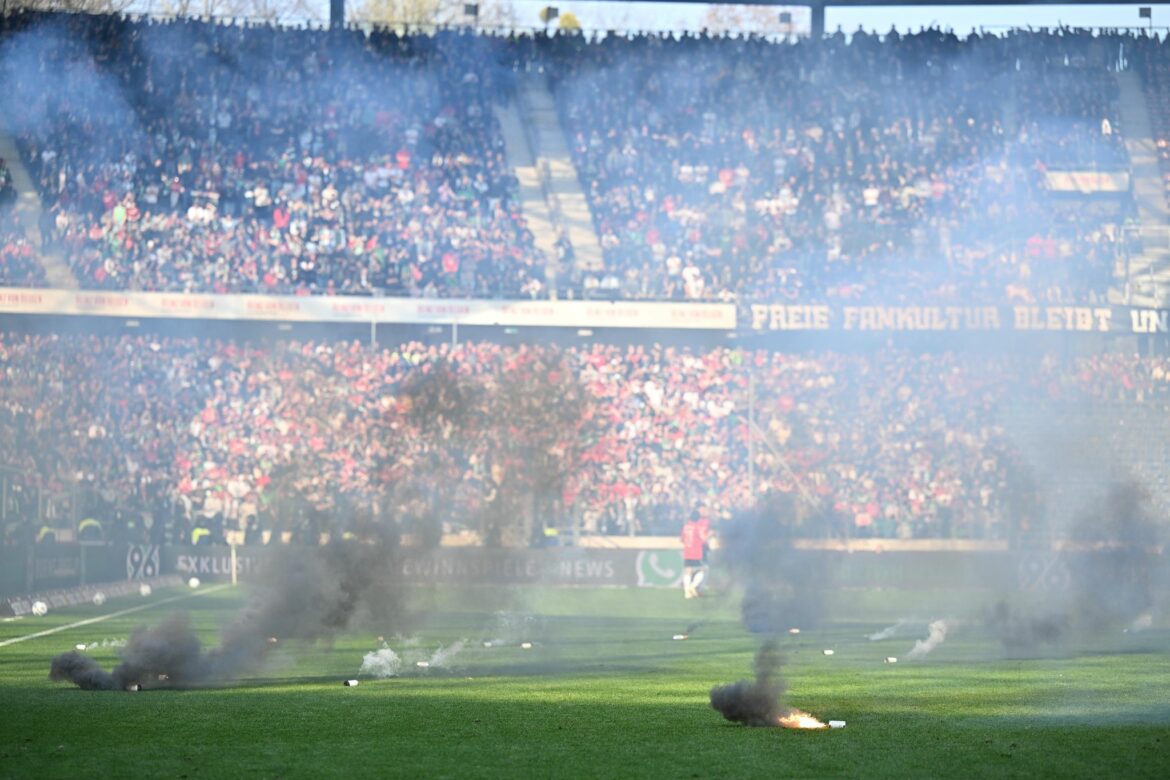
(188, 156)
(312, 436)
(20, 265)
(901, 169)
(204, 157)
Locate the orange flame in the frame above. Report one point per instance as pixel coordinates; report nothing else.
(796, 719)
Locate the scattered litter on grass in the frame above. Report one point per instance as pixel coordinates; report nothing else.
(104, 643)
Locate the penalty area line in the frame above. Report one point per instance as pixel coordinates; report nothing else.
(119, 613)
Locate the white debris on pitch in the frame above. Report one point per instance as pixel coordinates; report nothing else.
(836, 724)
(794, 630)
(526, 645)
(381, 663)
(891, 659)
(144, 589)
(679, 637)
(99, 598)
(828, 652)
(80, 646)
(350, 683)
(106, 643)
(423, 664)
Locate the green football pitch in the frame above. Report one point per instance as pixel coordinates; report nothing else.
(604, 690)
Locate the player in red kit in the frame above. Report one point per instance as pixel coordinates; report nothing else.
(696, 536)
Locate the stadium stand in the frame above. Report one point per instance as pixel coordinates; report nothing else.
(309, 434)
(185, 157)
(903, 170)
(188, 156)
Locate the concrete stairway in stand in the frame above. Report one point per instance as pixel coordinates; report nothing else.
(1149, 270)
(29, 210)
(566, 197)
(533, 199)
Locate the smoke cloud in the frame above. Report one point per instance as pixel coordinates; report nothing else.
(381, 663)
(754, 702)
(441, 658)
(1110, 573)
(783, 587)
(937, 634)
(307, 594)
(886, 632)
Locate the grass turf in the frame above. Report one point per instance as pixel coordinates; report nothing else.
(604, 692)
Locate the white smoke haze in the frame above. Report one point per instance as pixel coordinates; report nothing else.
(886, 632)
(513, 627)
(1141, 623)
(441, 658)
(937, 634)
(381, 663)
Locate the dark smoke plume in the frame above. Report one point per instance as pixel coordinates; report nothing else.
(754, 702)
(783, 587)
(1116, 568)
(1019, 630)
(82, 670)
(306, 594)
(1120, 570)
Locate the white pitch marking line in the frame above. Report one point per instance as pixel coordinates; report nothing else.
(120, 613)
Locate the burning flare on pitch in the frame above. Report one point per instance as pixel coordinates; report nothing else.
(757, 702)
(798, 719)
